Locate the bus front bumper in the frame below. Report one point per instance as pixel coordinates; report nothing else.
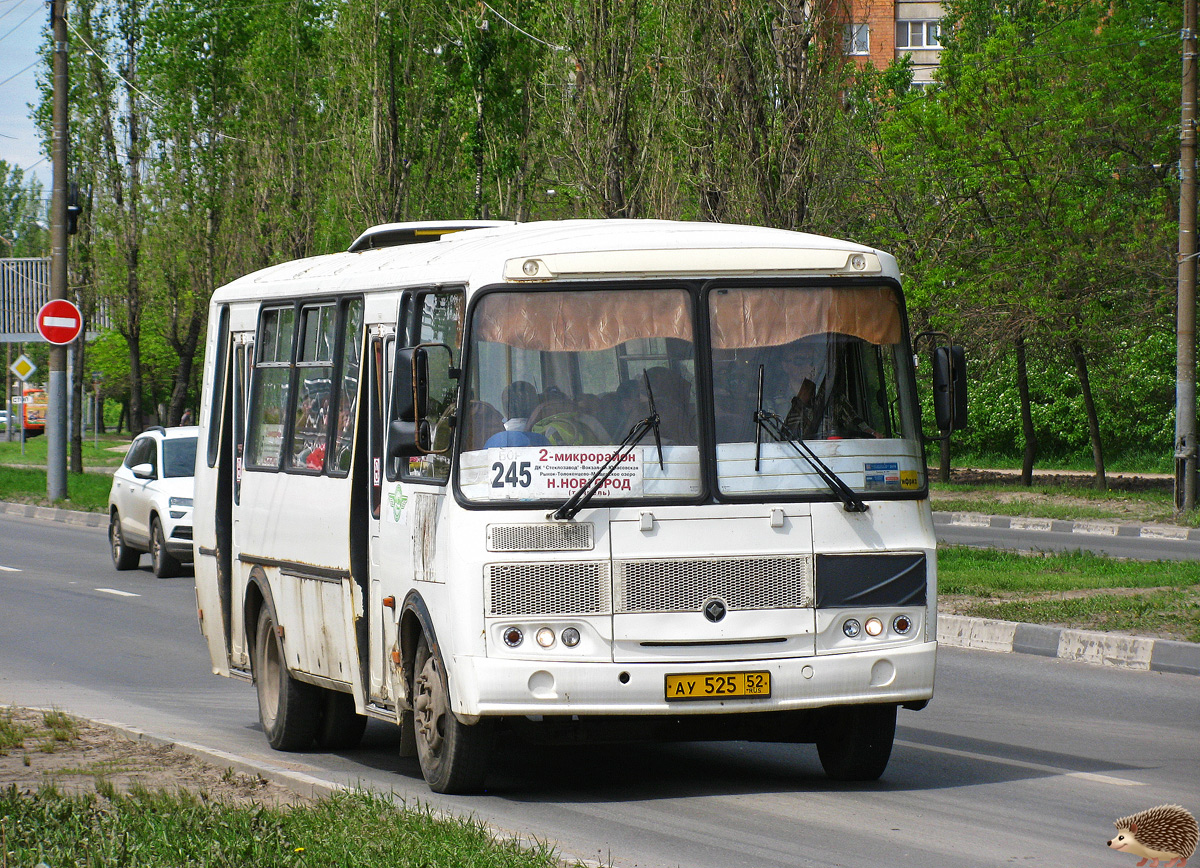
(487, 687)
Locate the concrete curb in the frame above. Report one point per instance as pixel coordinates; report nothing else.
(1091, 527)
(1138, 653)
(1103, 649)
(53, 513)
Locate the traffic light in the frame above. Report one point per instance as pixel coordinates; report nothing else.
(74, 209)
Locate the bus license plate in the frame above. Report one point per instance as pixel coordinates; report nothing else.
(719, 685)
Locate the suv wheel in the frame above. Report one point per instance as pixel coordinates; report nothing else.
(165, 564)
(124, 558)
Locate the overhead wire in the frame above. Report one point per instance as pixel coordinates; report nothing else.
(18, 26)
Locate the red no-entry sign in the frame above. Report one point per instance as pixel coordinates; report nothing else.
(59, 321)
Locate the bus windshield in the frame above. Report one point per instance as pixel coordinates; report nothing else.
(556, 380)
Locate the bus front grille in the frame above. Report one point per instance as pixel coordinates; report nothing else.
(548, 589)
(686, 585)
(546, 537)
(588, 588)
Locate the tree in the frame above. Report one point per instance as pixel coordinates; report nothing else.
(22, 214)
(1053, 175)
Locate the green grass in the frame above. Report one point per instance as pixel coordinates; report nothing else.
(95, 455)
(1079, 589)
(85, 491)
(963, 570)
(12, 732)
(1170, 613)
(154, 829)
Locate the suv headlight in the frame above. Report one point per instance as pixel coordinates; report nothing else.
(180, 502)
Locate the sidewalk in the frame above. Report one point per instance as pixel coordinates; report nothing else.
(1084, 646)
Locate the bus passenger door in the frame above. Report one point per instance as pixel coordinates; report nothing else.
(382, 683)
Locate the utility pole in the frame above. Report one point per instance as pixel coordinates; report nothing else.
(56, 397)
(1185, 331)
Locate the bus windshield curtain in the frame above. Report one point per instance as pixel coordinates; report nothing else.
(741, 317)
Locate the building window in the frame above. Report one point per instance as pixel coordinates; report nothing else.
(857, 39)
(919, 34)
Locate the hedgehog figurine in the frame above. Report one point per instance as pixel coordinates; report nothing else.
(1167, 832)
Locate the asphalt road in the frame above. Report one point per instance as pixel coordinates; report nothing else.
(1018, 759)
(1095, 537)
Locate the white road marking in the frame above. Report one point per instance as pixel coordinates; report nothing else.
(9, 569)
(118, 593)
(1094, 777)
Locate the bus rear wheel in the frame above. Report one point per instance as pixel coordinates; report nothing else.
(857, 741)
(453, 756)
(289, 710)
(342, 727)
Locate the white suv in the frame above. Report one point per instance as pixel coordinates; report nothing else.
(150, 504)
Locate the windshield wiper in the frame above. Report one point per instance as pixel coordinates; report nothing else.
(595, 482)
(779, 430)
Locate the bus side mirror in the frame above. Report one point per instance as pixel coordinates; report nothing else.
(950, 388)
(410, 431)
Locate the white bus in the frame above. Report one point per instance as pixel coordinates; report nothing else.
(584, 479)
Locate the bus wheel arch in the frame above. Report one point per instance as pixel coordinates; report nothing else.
(453, 755)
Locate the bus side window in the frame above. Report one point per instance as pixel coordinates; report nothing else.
(439, 321)
(388, 364)
(269, 395)
(347, 393)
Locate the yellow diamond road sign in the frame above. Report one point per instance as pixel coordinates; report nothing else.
(23, 368)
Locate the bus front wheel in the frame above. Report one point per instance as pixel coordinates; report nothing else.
(289, 710)
(453, 756)
(856, 743)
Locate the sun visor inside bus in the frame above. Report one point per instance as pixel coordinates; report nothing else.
(742, 318)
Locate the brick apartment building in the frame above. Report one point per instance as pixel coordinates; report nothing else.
(883, 30)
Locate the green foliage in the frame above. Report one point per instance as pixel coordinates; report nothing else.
(1132, 377)
(1029, 196)
(21, 210)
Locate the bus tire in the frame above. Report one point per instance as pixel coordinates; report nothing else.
(123, 557)
(164, 563)
(453, 756)
(289, 710)
(857, 741)
(342, 727)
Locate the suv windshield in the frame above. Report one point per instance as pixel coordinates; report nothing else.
(179, 456)
(556, 380)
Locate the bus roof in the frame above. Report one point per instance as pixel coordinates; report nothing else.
(575, 249)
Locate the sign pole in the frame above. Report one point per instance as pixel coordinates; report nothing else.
(56, 410)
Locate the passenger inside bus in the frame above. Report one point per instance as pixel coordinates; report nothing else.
(563, 422)
(818, 406)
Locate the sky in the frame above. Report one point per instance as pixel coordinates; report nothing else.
(21, 25)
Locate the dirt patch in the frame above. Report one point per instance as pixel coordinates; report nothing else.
(1067, 478)
(999, 491)
(79, 757)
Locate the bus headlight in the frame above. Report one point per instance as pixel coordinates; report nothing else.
(513, 636)
(545, 637)
(851, 628)
(902, 624)
(874, 626)
(570, 637)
